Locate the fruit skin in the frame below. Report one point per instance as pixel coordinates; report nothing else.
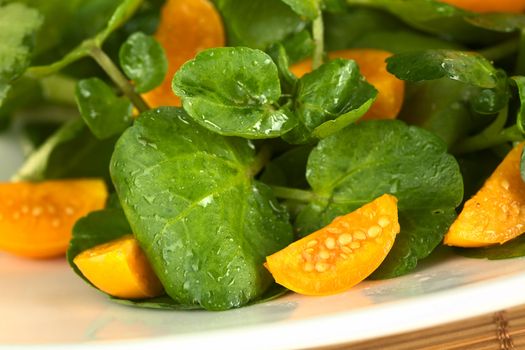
(371, 62)
(36, 219)
(341, 254)
(186, 27)
(482, 6)
(120, 268)
(496, 213)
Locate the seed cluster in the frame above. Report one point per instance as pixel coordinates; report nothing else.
(341, 241)
(25, 210)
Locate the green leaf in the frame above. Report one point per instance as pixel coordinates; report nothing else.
(398, 41)
(258, 23)
(286, 77)
(167, 303)
(511, 249)
(366, 160)
(337, 6)
(445, 20)
(298, 46)
(104, 113)
(519, 82)
(117, 18)
(72, 151)
(96, 228)
(333, 90)
(288, 169)
(491, 101)
(143, 60)
(342, 30)
(18, 24)
(103, 226)
(500, 22)
(122, 13)
(332, 126)
(234, 92)
(467, 67)
(442, 107)
(160, 303)
(306, 8)
(204, 223)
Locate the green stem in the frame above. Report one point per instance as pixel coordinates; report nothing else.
(500, 51)
(118, 78)
(318, 36)
(293, 193)
(483, 141)
(493, 134)
(261, 159)
(79, 52)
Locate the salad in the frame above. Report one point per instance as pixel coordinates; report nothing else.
(191, 153)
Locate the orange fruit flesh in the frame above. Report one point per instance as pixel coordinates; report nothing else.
(120, 268)
(372, 65)
(186, 27)
(36, 219)
(515, 6)
(496, 213)
(341, 254)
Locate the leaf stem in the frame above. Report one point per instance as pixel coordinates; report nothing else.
(481, 142)
(77, 53)
(318, 36)
(492, 136)
(118, 78)
(293, 193)
(261, 159)
(500, 51)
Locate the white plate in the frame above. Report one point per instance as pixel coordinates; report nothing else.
(44, 304)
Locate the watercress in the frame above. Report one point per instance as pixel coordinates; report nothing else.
(198, 186)
(105, 113)
(245, 105)
(143, 60)
(205, 224)
(19, 25)
(368, 159)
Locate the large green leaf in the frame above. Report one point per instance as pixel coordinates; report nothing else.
(366, 160)
(332, 91)
(258, 23)
(103, 111)
(72, 151)
(234, 91)
(462, 66)
(18, 24)
(204, 223)
(102, 226)
(143, 60)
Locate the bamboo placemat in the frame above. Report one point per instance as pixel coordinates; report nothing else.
(503, 330)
